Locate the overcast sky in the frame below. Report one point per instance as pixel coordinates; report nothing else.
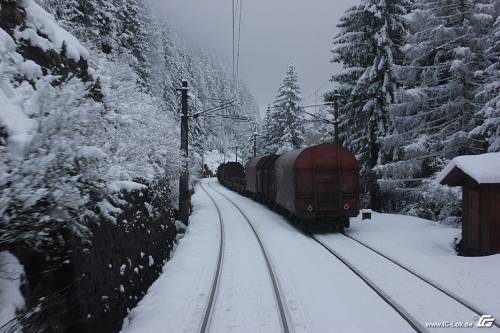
(274, 34)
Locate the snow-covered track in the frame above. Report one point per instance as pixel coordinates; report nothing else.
(436, 286)
(279, 299)
(213, 292)
(387, 299)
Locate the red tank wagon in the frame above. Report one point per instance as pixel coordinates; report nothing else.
(318, 185)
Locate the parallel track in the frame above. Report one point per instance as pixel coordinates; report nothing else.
(393, 304)
(215, 283)
(279, 298)
(387, 299)
(406, 316)
(446, 292)
(411, 320)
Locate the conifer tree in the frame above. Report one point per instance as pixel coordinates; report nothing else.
(284, 130)
(490, 92)
(264, 132)
(94, 21)
(134, 38)
(354, 49)
(369, 48)
(437, 106)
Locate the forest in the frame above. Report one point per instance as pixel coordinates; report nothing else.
(418, 85)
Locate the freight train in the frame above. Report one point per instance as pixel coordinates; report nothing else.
(315, 187)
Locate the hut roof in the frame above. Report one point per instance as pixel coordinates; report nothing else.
(484, 169)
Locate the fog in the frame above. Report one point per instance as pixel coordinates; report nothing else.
(274, 34)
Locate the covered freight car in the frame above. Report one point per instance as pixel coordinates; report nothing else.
(232, 175)
(259, 174)
(318, 185)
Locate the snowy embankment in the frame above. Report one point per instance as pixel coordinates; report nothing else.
(176, 301)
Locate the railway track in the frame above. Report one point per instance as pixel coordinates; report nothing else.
(387, 299)
(220, 258)
(397, 307)
(278, 295)
(436, 286)
(279, 298)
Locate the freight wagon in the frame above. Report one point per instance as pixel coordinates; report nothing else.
(316, 187)
(232, 175)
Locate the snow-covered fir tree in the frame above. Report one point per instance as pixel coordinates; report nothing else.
(437, 107)
(283, 123)
(264, 132)
(92, 20)
(489, 128)
(369, 47)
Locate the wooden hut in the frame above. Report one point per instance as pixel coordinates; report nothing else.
(479, 176)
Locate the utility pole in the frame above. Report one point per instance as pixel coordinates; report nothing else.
(184, 179)
(236, 154)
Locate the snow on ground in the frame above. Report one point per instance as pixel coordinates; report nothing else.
(427, 247)
(321, 294)
(246, 300)
(419, 299)
(176, 301)
(10, 295)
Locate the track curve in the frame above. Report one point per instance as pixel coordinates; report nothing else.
(213, 292)
(279, 298)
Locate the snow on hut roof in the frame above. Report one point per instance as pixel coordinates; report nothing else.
(484, 168)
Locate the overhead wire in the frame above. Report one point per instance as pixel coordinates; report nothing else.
(317, 90)
(233, 32)
(236, 19)
(216, 108)
(238, 45)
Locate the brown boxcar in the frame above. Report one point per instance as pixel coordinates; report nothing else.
(232, 175)
(257, 173)
(268, 176)
(318, 183)
(251, 175)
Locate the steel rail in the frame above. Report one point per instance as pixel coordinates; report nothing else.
(436, 286)
(215, 283)
(272, 274)
(387, 299)
(398, 308)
